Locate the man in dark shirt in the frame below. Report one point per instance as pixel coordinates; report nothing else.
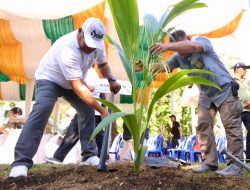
(175, 130)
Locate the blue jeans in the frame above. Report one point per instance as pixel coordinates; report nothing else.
(245, 116)
(47, 93)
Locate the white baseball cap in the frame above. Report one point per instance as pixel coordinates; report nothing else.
(94, 33)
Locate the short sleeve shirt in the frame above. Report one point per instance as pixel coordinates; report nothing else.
(206, 60)
(66, 61)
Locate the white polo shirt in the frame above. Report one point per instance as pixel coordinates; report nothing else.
(66, 61)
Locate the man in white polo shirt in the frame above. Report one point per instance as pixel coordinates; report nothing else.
(60, 74)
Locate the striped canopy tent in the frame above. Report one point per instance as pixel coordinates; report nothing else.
(26, 34)
(28, 28)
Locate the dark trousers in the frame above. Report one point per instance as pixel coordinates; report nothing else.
(175, 142)
(71, 138)
(47, 93)
(245, 116)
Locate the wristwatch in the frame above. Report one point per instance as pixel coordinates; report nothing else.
(112, 78)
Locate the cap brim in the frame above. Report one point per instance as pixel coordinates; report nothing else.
(245, 67)
(94, 43)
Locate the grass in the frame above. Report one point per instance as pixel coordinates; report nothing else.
(5, 168)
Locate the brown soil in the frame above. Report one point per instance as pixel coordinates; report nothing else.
(121, 176)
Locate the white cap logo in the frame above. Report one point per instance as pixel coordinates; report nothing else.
(95, 35)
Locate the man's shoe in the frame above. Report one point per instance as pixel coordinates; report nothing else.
(231, 170)
(52, 160)
(93, 160)
(204, 168)
(19, 171)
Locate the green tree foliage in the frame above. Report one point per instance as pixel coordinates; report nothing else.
(186, 121)
(160, 122)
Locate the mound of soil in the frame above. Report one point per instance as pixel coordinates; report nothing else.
(121, 176)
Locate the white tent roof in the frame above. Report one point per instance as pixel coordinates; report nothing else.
(44, 9)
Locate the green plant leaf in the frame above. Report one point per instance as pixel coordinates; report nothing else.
(191, 80)
(106, 121)
(141, 156)
(126, 19)
(165, 33)
(170, 14)
(126, 64)
(151, 27)
(110, 105)
(164, 88)
(130, 121)
(180, 8)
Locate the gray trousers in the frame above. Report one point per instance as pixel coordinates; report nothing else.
(47, 94)
(230, 113)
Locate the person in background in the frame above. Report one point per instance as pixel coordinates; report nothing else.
(6, 115)
(72, 136)
(69, 141)
(176, 131)
(60, 74)
(240, 71)
(200, 54)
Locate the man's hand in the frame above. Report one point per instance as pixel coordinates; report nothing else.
(158, 48)
(104, 113)
(115, 87)
(105, 70)
(138, 66)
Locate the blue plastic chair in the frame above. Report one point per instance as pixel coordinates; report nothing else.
(155, 146)
(188, 154)
(168, 146)
(175, 152)
(195, 156)
(115, 148)
(220, 143)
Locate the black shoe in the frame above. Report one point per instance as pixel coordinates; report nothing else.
(204, 168)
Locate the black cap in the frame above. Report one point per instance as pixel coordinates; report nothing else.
(241, 65)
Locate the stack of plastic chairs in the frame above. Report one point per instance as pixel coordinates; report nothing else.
(174, 152)
(155, 146)
(220, 144)
(191, 154)
(195, 156)
(168, 146)
(188, 154)
(115, 148)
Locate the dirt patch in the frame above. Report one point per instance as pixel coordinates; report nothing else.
(121, 176)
